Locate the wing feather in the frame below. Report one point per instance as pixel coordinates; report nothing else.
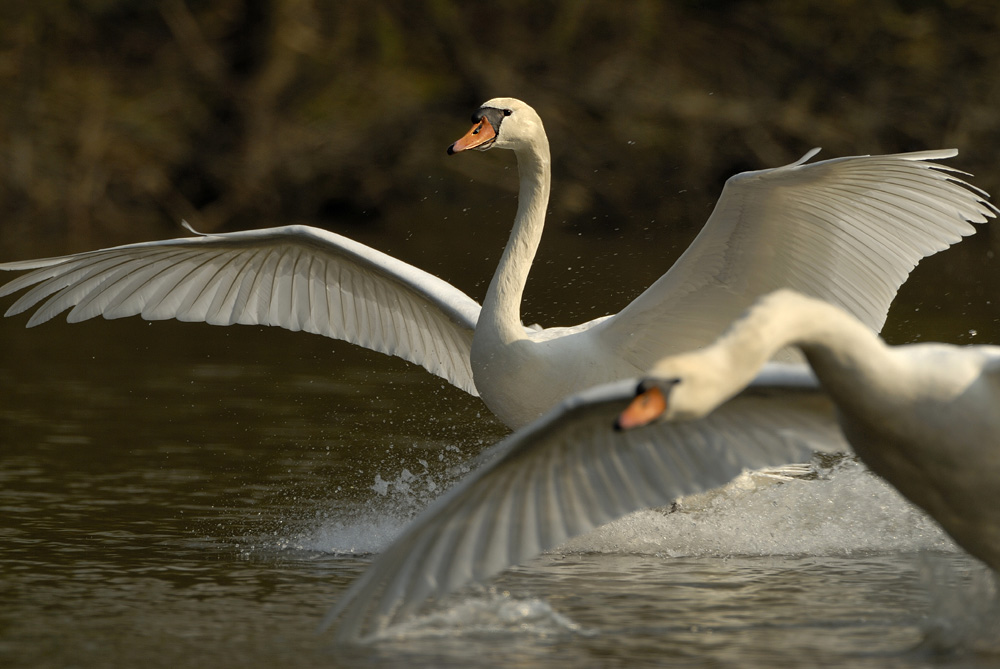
(294, 277)
(569, 472)
(847, 230)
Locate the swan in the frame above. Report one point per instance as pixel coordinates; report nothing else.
(923, 416)
(847, 230)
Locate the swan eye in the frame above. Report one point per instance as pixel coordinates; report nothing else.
(508, 112)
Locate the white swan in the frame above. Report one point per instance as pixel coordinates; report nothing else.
(847, 230)
(923, 416)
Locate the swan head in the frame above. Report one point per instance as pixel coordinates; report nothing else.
(651, 403)
(505, 123)
(683, 387)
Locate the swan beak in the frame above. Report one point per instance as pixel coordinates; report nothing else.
(481, 136)
(647, 406)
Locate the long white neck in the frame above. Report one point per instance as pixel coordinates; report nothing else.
(501, 314)
(846, 355)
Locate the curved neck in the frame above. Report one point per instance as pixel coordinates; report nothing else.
(844, 353)
(501, 314)
(832, 341)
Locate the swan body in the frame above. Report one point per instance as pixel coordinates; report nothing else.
(846, 230)
(922, 416)
(925, 417)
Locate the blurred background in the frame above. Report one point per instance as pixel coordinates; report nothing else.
(121, 117)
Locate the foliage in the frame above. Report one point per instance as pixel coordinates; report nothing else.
(121, 116)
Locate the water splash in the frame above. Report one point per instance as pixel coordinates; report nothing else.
(495, 614)
(353, 536)
(845, 509)
(395, 494)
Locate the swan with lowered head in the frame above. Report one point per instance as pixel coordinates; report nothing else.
(846, 230)
(923, 416)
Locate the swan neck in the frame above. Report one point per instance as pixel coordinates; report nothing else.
(502, 305)
(841, 350)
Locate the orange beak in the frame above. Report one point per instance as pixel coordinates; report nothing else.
(644, 409)
(480, 136)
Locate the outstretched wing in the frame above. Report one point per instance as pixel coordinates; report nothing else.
(848, 231)
(295, 277)
(569, 472)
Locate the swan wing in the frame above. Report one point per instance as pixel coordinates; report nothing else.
(848, 231)
(295, 277)
(569, 472)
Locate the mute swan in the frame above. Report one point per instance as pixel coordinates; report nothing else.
(847, 230)
(923, 416)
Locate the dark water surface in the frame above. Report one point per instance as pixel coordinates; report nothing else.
(175, 494)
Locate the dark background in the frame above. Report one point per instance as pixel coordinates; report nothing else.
(121, 117)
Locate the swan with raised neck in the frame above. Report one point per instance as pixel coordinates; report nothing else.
(505, 359)
(847, 230)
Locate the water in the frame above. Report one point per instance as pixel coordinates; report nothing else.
(179, 495)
